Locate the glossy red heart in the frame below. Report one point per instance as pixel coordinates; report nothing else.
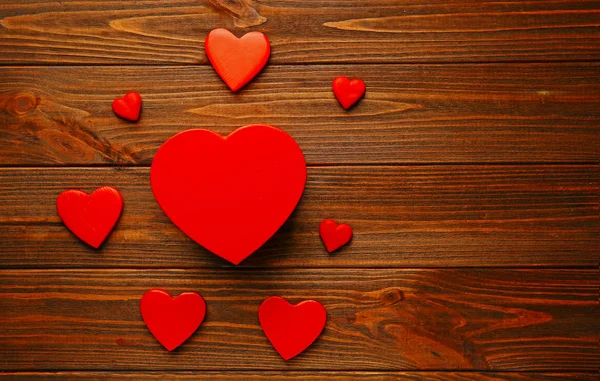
(237, 60)
(172, 320)
(229, 194)
(291, 328)
(129, 106)
(91, 217)
(333, 235)
(347, 91)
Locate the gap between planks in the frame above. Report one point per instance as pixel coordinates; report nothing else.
(303, 371)
(308, 63)
(94, 268)
(336, 165)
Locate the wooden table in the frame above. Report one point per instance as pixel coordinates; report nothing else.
(470, 174)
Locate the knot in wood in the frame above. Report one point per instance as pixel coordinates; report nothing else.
(392, 296)
(21, 104)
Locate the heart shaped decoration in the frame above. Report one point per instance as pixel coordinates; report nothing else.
(229, 194)
(90, 217)
(333, 235)
(347, 91)
(129, 106)
(291, 328)
(172, 320)
(237, 60)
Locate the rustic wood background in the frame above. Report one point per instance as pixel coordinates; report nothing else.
(470, 173)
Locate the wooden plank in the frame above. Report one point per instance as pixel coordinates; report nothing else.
(414, 216)
(517, 320)
(411, 114)
(301, 31)
(308, 376)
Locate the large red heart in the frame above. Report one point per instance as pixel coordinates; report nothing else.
(172, 320)
(237, 60)
(229, 194)
(90, 217)
(291, 328)
(333, 235)
(129, 106)
(347, 91)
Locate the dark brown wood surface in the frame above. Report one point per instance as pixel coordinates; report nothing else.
(517, 320)
(412, 114)
(300, 376)
(301, 31)
(470, 173)
(411, 216)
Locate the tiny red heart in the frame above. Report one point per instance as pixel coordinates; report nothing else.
(237, 60)
(347, 91)
(333, 235)
(229, 194)
(90, 217)
(291, 328)
(172, 320)
(129, 106)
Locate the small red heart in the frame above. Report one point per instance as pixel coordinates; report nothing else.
(129, 106)
(333, 235)
(229, 194)
(172, 320)
(90, 217)
(237, 60)
(347, 91)
(291, 328)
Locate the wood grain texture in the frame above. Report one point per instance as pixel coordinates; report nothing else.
(433, 216)
(300, 376)
(517, 320)
(301, 31)
(411, 114)
(442, 280)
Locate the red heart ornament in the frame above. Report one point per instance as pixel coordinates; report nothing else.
(333, 235)
(347, 91)
(291, 328)
(237, 60)
(90, 217)
(229, 194)
(129, 106)
(172, 320)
